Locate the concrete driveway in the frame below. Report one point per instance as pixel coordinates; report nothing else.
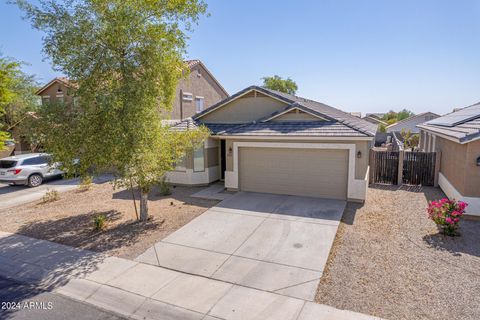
(269, 242)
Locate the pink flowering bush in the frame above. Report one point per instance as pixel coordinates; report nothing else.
(446, 214)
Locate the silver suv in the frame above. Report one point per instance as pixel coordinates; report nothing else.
(28, 169)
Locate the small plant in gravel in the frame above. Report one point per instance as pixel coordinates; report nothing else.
(446, 214)
(164, 188)
(50, 196)
(99, 222)
(85, 184)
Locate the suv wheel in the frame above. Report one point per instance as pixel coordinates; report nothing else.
(35, 180)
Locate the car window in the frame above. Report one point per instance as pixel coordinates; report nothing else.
(33, 161)
(6, 164)
(44, 159)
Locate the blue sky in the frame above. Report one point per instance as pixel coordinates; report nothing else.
(367, 55)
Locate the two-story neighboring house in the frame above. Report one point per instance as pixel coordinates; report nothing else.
(194, 94)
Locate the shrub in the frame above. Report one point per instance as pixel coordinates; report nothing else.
(446, 214)
(99, 222)
(50, 196)
(164, 188)
(85, 183)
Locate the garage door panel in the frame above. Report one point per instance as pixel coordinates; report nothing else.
(307, 172)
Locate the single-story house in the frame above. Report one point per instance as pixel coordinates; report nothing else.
(457, 136)
(268, 141)
(410, 124)
(378, 115)
(375, 120)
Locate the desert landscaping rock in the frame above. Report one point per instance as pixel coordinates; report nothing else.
(389, 260)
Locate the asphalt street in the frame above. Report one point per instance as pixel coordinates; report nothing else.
(20, 301)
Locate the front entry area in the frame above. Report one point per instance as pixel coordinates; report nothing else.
(319, 173)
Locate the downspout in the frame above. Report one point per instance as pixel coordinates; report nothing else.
(181, 104)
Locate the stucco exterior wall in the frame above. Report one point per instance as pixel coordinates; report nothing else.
(54, 94)
(472, 171)
(245, 109)
(296, 115)
(361, 164)
(452, 162)
(198, 83)
(211, 170)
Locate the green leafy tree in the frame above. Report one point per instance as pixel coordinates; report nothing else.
(126, 58)
(9, 82)
(410, 140)
(392, 117)
(382, 128)
(404, 114)
(22, 105)
(280, 84)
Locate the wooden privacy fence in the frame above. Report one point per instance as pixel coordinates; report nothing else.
(385, 167)
(404, 167)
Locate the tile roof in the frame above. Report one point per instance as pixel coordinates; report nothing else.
(464, 132)
(412, 118)
(64, 80)
(192, 63)
(320, 109)
(303, 129)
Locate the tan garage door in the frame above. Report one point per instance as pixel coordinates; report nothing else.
(305, 172)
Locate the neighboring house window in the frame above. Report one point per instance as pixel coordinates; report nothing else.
(45, 99)
(187, 96)
(75, 101)
(199, 104)
(60, 98)
(199, 159)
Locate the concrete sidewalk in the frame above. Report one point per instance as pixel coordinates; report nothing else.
(142, 291)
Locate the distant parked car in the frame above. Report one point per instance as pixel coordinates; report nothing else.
(29, 169)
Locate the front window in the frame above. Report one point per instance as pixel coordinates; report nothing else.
(181, 164)
(199, 159)
(45, 99)
(199, 104)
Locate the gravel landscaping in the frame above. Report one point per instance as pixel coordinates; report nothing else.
(69, 220)
(389, 260)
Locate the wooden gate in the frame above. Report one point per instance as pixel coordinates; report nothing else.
(384, 167)
(419, 168)
(397, 167)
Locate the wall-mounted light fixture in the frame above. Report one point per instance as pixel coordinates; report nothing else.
(359, 154)
(478, 161)
(230, 151)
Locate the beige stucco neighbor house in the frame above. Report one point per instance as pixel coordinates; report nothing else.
(267, 141)
(457, 137)
(194, 94)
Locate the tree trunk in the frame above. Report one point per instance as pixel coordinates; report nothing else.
(143, 205)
